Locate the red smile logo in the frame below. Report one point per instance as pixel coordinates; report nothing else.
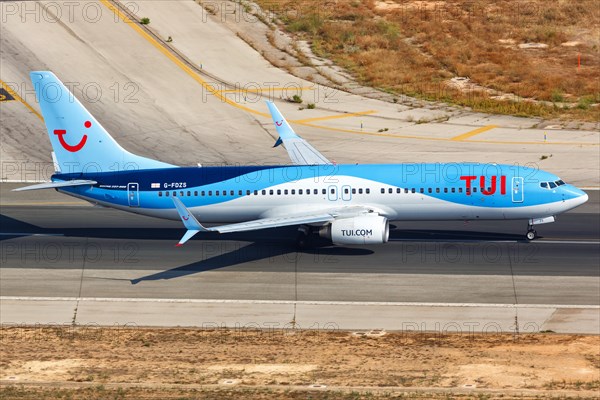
(279, 123)
(185, 218)
(72, 148)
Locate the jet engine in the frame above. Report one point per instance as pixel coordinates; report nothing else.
(366, 229)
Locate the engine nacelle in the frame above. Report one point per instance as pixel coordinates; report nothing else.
(365, 229)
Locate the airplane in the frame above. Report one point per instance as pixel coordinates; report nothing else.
(349, 204)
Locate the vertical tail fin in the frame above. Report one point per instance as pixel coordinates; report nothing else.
(79, 142)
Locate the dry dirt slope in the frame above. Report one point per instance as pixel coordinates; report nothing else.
(189, 363)
(534, 57)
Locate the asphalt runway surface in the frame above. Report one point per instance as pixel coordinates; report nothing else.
(99, 252)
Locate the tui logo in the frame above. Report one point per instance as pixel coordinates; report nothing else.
(72, 148)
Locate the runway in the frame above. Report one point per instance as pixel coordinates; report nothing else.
(123, 267)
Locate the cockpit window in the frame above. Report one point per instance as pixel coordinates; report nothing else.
(552, 185)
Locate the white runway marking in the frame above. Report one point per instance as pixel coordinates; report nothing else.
(29, 234)
(336, 303)
(498, 241)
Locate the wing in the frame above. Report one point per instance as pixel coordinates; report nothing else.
(193, 226)
(299, 150)
(56, 185)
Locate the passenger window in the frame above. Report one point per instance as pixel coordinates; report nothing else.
(353, 191)
(360, 191)
(271, 192)
(210, 192)
(398, 190)
(293, 191)
(189, 193)
(216, 192)
(159, 194)
(474, 190)
(279, 191)
(285, 191)
(324, 191)
(174, 194)
(195, 193)
(256, 192)
(332, 191)
(299, 191)
(224, 192)
(264, 192)
(367, 190)
(459, 190)
(429, 190)
(346, 191)
(390, 190)
(405, 190)
(422, 190)
(382, 190)
(413, 190)
(437, 190)
(453, 190)
(247, 192)
(166, 194)
(231, 193)
(239, 192)
(445, 190)
(181, 193)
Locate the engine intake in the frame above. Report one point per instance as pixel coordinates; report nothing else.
(367, 229)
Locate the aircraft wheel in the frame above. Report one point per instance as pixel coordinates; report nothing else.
(531, 234)
(301, 241)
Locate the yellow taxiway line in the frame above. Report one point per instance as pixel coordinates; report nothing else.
(345, 115)
(267, 89)
(474, 132)
(16, 96)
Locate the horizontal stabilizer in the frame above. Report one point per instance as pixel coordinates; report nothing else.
(189, 221)
(57, 185)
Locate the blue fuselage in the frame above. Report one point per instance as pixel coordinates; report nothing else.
(461, 191)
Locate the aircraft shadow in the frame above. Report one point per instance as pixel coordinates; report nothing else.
(427, 235)
(253, 252)
(284, 235)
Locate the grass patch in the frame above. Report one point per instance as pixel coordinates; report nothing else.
(295, 99)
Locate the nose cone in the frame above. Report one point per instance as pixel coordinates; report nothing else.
(575, 196)
(582, 198)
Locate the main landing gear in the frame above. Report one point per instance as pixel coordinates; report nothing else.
(302, 238)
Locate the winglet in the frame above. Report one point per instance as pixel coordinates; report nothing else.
(299, 150)
(189, 221)
(284, 130)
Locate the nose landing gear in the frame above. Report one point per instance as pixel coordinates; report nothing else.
(531, 233)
